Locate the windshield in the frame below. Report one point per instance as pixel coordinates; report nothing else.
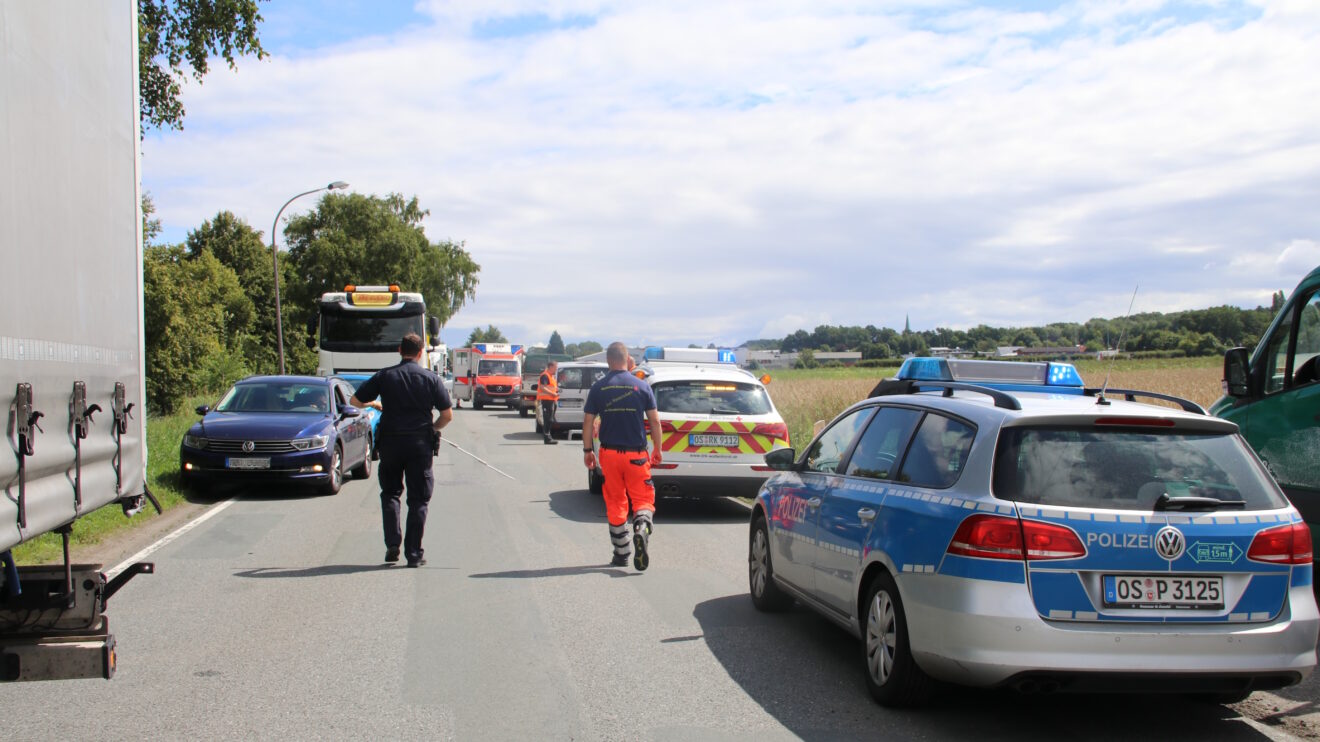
(1127, 469)
(367, 332)
(497, 368)
(276, 396)
(712, 398)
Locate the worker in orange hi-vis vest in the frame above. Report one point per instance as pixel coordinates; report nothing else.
(547, 398)
(622, 401)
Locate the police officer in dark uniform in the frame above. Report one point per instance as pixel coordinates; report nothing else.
(406, 437)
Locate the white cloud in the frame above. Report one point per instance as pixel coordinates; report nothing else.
(724, 170)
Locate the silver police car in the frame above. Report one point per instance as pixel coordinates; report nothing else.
(998, 524)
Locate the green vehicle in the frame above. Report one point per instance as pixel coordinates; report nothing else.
(1274, 397)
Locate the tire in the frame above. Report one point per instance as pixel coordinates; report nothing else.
(766, 595)
(522, 412)
(197, 485)
(477, 405)
(363, 470)
(595, 481)
(336, 472)
(892, 675)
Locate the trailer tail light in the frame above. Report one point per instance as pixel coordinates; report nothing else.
(1000, 537)
(1290, 544)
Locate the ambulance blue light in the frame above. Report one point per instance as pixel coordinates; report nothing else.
(925, 369)
(727, 356)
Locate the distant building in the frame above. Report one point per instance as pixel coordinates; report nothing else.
(1052, 351)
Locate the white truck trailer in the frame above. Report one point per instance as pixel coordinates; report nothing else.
(71, 363)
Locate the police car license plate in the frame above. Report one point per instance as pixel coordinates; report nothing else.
(712, 440)
(248, 463)
(1163, 591)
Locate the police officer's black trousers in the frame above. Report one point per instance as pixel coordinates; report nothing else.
(405, 458)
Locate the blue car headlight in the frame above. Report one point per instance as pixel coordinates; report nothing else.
(194, 441)
(310, 444)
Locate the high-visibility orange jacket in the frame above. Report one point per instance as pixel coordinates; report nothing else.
(547, 388)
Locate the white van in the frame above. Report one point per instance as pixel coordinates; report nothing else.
(575, 380)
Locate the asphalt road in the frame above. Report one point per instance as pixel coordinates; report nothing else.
(277, 619)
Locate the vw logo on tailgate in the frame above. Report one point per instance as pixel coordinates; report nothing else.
(249, 446)
(1169, 543)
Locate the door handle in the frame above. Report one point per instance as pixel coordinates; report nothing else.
(866, 514)
(814, 502)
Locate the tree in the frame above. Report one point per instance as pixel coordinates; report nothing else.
(196, 319)
(172, 34)
(585, 348)
(491, 334)
(806, 359)
(240, 248)
(150, 227)
(556, 344)
(354, 238)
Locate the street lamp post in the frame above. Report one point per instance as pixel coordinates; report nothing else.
(275, 257)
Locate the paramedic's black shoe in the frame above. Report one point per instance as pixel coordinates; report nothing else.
(641, 560)
(417, 563)
(392, 555)
(551, 442)
(619, 560)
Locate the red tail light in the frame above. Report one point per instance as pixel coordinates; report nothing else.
(1000, 537)
(1290, 544)
(772, 430)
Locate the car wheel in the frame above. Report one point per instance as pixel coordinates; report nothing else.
(336, 472)
(197, 485)
(476, 405)
(363, 470)
(595, 481)
(766, 595)
(522, 412)
(892, 675)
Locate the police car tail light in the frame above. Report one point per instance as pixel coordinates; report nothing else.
(772, 430)
(1290, 544)
(1000, 537)
(988, 537)
(1049, 541)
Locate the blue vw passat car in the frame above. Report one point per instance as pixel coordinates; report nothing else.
(371, 414)
(997, 524)
(284, 428)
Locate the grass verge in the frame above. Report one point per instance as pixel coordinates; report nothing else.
(163, 436)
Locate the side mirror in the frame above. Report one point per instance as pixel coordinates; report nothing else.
(433, 326)
(202, 409)
(1237, 376)
(349, 411)
(781, 459)
(535, 387)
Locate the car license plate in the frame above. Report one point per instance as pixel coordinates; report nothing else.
(248, 463)
(712, 440)
(1163, 591)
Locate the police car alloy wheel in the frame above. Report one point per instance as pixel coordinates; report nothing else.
(766, 595)
(892, 675)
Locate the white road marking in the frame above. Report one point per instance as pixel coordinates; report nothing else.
(167, 538)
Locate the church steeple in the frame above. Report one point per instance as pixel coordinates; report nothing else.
(907, 325)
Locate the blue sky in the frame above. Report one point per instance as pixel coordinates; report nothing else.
(718, 171)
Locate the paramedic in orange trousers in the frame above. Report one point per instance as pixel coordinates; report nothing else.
(547, 398)
(622, 402)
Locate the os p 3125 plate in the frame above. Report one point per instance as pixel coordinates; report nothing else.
(1163, 591)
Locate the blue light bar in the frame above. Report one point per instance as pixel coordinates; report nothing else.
(1056, 378)
(925, 369)
(653, 353)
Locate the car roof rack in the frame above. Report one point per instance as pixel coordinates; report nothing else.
(1131, 394)
(889, 387)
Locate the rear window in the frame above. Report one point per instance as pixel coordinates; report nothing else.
(1085, 467)
(579, 378)
(711, 398)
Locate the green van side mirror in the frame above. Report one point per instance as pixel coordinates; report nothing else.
(1237, 377)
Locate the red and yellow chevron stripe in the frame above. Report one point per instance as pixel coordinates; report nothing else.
(675, 437)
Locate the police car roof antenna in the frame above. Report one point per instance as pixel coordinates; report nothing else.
(1100, 398)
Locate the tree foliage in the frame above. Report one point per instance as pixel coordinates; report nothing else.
(556, 344)
(491, 334)
(585, 348)
(354, 238)
(177, 38)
